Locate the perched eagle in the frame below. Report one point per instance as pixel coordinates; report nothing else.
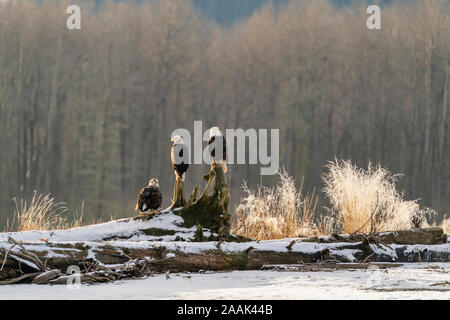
(216, 137)
(150, 198)
(179, 156)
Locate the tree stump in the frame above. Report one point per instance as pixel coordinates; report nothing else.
(178, 199)
(210, 210)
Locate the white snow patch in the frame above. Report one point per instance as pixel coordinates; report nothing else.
(347, 253)
(412, 281)
(52, 254)
(445, 247)
(383, 249)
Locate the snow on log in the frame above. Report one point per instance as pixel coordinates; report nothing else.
(411, 237)
(165, 226)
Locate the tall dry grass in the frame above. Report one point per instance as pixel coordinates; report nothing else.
(367, 200)
(42, 213)
(275, 213)
(446, 225)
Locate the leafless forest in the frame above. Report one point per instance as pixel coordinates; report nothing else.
(87, 114)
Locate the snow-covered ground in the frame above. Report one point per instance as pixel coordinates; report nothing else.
(411, 281)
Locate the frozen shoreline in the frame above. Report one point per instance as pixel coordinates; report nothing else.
(411, 281)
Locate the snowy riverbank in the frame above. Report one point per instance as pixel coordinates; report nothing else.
(411, 281)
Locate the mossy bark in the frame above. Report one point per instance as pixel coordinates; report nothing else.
(210, 209)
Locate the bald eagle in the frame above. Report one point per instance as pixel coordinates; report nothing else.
(150, 198)
(216, 137)
(179, 156)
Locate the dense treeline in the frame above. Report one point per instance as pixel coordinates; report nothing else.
(87, 115)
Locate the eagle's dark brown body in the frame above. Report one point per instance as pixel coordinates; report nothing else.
(220, 141)
(179, 153)
(150, 198)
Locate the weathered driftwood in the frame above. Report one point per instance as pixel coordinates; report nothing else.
(46, 276)
(100, 261)
(21, 278)
(328, 265)
(410, 237)
(418, 236)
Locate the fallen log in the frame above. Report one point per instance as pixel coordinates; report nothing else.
(45, 277)
(409, 237)
(20, 278)
(328, 266)
(415, 236)
(129, 257)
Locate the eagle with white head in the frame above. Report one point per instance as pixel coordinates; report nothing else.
(179, 156)
(218, 141)
(150, 198)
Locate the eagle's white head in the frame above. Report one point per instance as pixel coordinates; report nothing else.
(176, 140)
(153, 183)
(214, 131)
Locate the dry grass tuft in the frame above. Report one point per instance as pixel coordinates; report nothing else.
(446, 225)
(327, 224)
(42, 213)
(275, 213)
(367, 200)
